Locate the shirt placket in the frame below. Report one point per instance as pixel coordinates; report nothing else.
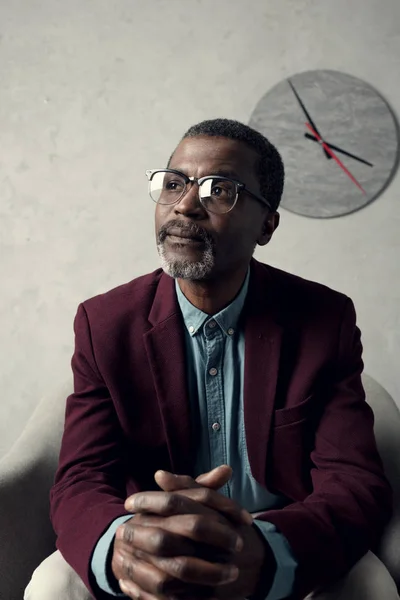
(215, 396)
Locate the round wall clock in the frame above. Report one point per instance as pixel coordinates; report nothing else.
(338, 138)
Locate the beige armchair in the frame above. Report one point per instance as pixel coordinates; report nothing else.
(27, 471)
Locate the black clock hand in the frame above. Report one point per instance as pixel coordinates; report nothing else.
(299, 100)
(314, 139)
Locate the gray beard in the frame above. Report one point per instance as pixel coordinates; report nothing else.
(185, 269)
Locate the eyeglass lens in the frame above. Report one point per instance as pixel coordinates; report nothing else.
(216, 195)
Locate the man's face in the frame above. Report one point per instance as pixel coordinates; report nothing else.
(196, 244)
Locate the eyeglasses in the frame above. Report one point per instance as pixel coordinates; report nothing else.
(217, 194)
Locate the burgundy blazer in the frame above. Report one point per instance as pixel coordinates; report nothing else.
(309, 430)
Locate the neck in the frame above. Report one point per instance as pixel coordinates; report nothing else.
(213, 295)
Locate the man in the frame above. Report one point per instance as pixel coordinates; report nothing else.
(217, 443)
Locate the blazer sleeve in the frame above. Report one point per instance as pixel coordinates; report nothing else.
(89, 490)
(351, 500)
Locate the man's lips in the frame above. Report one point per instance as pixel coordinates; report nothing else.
(180, 235)
(184, 241)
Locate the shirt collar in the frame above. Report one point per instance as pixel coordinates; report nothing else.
(227, 318)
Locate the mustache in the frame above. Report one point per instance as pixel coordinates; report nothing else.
(189, 229)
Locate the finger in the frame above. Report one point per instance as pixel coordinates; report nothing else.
(218, 502)
(160, 580)
(194, 571)
(155, 540)
(132, 590)
(164, 504)
(169, 482)
(216, 478)
(190, 501)
(148, 577)
(169, 536)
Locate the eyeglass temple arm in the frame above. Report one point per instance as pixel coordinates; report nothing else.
(259, 198)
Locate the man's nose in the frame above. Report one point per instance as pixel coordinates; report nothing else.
(190, 203)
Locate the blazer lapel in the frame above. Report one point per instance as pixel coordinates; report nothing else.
(263, 336)
(165, 349)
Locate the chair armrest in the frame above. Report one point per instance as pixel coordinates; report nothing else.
(387, 434)
(26, 475)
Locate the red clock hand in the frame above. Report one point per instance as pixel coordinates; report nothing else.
(339, 162)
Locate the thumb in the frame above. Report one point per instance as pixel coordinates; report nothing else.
(215, 479)
(169, 482)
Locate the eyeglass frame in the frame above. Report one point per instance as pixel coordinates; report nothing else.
(240, 187)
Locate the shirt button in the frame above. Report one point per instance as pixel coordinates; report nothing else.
(212, 324)
(231, 331)
(191, 329)
(213, 371)
(216, 426)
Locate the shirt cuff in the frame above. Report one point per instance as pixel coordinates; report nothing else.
(286, 564)
(100, 554)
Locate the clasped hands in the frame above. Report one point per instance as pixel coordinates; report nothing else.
(187, 541)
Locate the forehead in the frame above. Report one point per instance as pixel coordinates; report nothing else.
(205, 155)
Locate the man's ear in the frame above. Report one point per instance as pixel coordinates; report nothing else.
(271, 222)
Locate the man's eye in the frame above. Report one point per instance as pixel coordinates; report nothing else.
(173, 186)
(219, 191)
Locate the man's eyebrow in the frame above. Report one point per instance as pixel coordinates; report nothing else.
(222, 172)
(225, 173)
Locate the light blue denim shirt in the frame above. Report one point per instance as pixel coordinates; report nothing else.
(215, 362)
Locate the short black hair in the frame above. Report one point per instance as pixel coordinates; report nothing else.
(269, 167)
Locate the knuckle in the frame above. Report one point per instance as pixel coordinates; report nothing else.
(127, 568)
(158, 540)
(140, 554)
(120, 531)
(116, 563)
(161, 584)
(206, 495)
(140, 501)
(179, 567)
(173, 503)
(196, 524)
(128, 534)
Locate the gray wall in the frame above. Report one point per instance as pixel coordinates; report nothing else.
(93, 92)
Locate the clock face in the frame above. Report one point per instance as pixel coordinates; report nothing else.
(338, 138)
